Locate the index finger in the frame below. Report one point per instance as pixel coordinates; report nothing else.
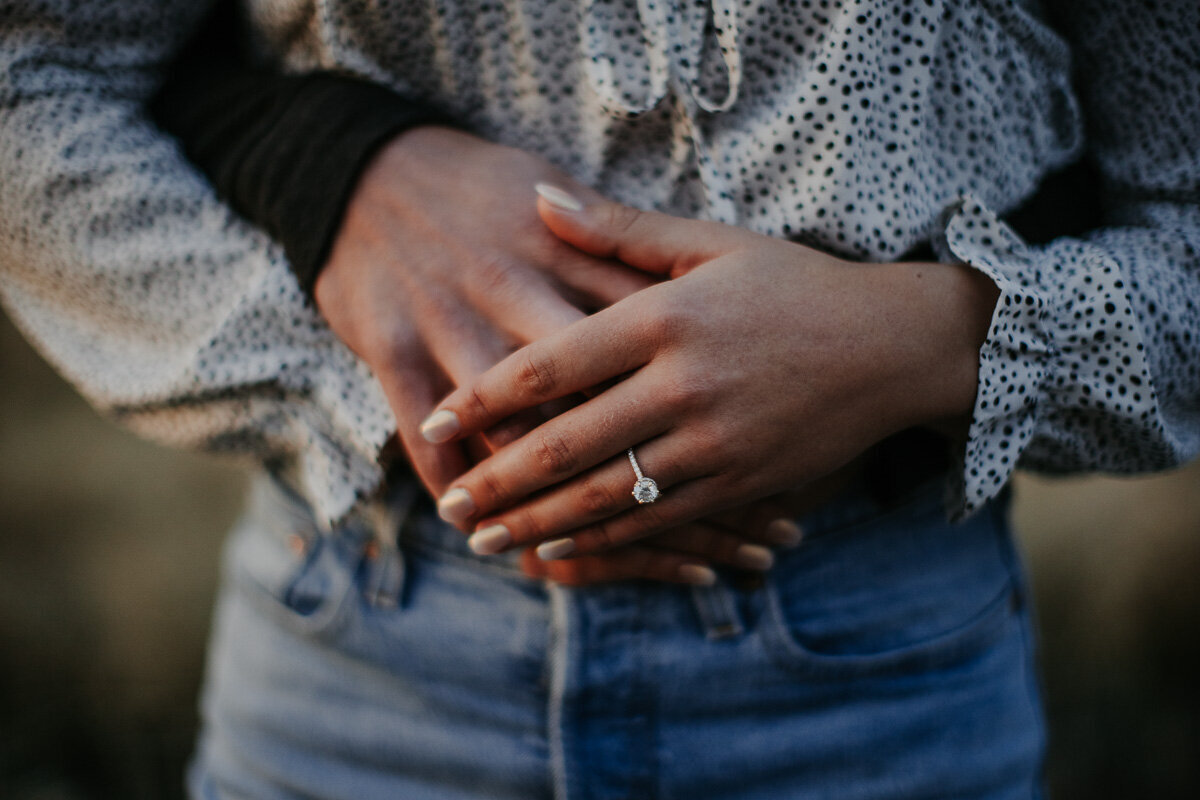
(580, 356)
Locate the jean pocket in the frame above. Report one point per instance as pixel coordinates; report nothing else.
(904, 591)
(286, 567)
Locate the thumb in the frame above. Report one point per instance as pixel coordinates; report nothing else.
(647, 240)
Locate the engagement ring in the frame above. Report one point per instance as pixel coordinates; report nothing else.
(645, 490)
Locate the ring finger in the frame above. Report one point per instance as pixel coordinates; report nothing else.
(557, 452)
(588, 498)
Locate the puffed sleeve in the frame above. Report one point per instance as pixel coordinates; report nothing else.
(1092, 361)
(157, 302)
(284, 150)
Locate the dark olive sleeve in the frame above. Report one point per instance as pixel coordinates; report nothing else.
(285, 151)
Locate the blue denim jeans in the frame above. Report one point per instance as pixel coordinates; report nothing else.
(889, 656)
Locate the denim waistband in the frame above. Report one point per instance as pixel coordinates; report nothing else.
(423, 529)
(412, 518)
(406, 515)
(404, 524)
(860, 503)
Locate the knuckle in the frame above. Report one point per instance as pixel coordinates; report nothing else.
(709, 446)
(597, 498)
(393, 348)
(650, 520)
(496, 275)
(675, 398)
(621, 217)
(673, 321)
(492, 491)
(735, 481)
(645, 521)
(505, 433)
(556, 257)
(687, 390)
(602, 536)
(526, 526)
(480, 408)
(697, 382)
(539, 375)
(555, 454)
(536, 238)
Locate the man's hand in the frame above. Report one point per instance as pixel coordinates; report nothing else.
(441, 267)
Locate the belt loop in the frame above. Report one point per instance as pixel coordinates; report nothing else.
(383, 584)
(717, 611)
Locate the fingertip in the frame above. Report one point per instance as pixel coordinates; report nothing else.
(456, 506)
(440, 426)
(754, 557)
(556, 549)
(559, 199)
(570, 219)
(697, 575)
(784, 533)
(490, 541)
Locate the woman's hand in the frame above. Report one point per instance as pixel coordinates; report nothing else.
(764, 365)
(743, 540)
(441, 268)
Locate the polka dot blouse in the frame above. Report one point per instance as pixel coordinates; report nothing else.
(866, 128)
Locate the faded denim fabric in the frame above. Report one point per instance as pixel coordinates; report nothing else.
(889, 656)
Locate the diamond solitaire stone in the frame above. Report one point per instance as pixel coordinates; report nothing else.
(645, 490)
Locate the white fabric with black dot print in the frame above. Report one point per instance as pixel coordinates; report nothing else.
(864, 128)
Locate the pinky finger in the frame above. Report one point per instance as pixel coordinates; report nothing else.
(632, 562)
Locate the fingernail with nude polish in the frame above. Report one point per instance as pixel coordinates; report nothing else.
(456, 506)
(490, 540)
(440, 426)
(784, 533)
(697, 575)
(556, 548)
(558, 197)
(752, 556)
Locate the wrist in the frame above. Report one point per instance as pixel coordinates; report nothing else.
(390, 180)
(423, 157)
(951, 306)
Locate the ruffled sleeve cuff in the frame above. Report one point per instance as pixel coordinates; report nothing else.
(1062, 373)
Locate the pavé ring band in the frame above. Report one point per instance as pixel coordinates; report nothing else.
(645, 490)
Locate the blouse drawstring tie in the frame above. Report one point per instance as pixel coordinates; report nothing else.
(673, 35)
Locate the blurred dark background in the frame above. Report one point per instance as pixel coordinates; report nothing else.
(108, 560)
